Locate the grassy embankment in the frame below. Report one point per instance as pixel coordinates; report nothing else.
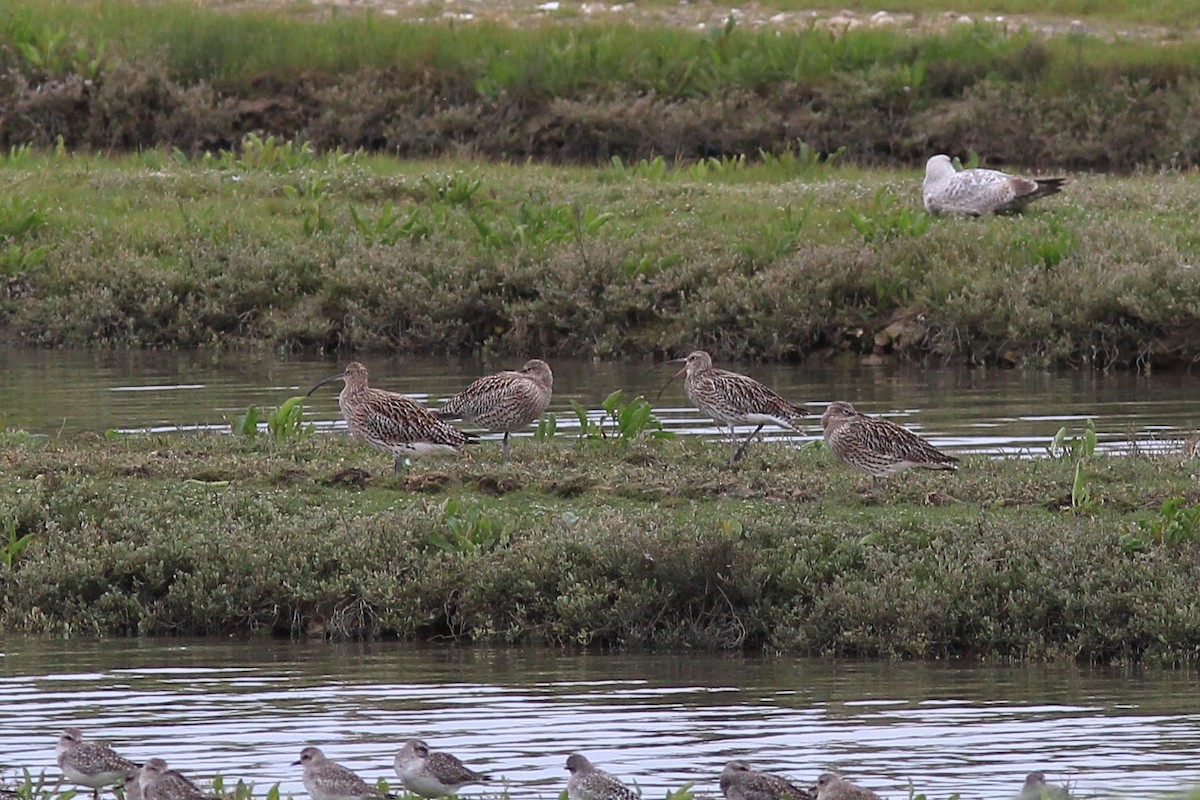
(134, 75)
(786, 259)
(604, 542)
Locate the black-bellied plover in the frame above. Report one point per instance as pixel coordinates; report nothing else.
(1036, 788)
(592, 783)
(432, 773)
(832, 787)
(391, 422)
(980, 191)
(157, 782)
(740, 782)
(731, 398)
(91, 764)
(877, 446)
(506, 401)
(329, 780)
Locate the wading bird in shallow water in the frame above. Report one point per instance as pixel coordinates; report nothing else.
(506, 401)
(740, 782)
(980, 191)
(831, 787)
(734, 399)
(391, 422)
(592, 783)
(432, 773)
(329, 780)
(91, 764)
(876, 446)
(1036, 788)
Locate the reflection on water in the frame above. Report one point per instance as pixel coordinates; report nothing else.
(988, 411)
(245, 709)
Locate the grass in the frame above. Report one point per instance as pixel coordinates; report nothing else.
(781, 259)
(129, 76)
(612, 543)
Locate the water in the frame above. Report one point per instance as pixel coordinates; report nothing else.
(998, 412)
(245, 709)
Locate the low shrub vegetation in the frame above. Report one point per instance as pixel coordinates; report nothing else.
(601, 542)
(352, 251)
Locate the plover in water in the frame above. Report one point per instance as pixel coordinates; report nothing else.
(592, 783)
(329, 780)
(91, 764)
(506, 401)
(980, 191)
(1036, 788)
(734, 399)
(393, 423)
(432, 773)
(831, 787)
(876, 446)
(740, 782)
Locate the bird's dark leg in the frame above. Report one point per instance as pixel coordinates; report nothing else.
(504, 456)
(741, 450)
(398, 467)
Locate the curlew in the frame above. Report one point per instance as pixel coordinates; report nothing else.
(876, 446)
(592, 783)
(391, 422)
(432, 773)
(980, 191)
(329, 780)
(832, 787)
(733, 399)
(91, 764)
(740, 782)
(504, 402)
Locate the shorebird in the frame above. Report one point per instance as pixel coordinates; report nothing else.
(1036, 788)
(506, 401)
(831, 787)
(734, 399)
(432, 774)
(91, 764)
(329, 780)
(876, 446)
(980, 191)
(740, 782)
(156, 782)
(592, 783)
(393, 423)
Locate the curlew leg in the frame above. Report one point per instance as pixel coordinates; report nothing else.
(504, 456)
(742, 450)
(398, 467)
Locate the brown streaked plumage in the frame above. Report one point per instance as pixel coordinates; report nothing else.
(832, 787)
(329, 780)
(877, 446)
(391, 422)
(91, 764)
(588, 782)
(980, 191)
(1036, 788)
(157, 782)
(740, 782)
(506, 401)
(432, 773)
(734, 399)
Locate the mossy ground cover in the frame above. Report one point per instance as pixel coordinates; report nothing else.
(283, 247)
(604, 543)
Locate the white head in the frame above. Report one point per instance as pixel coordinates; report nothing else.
(413, 750)
(938, 168)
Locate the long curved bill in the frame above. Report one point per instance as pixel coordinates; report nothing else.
(341, 376)
(673, 377)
